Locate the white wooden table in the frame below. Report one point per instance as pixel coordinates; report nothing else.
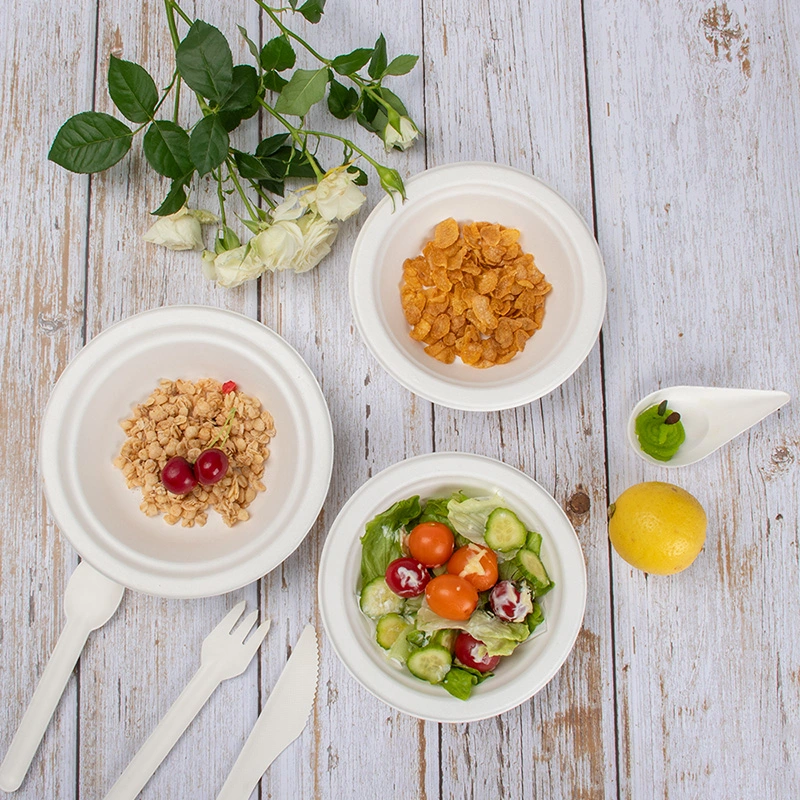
(674, 127)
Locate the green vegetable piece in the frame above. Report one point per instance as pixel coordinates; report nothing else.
(459, 683)
(534, 572)
(380, 544)
(90, 142)
(658, 436)
(166, 147)
(535, 618)
(401, 649)
(534, 542)
(305, 88)
(445, 638)
(208, 144)
(132, 89)
(430, 664)
(389, 628)
(504, 531)
(205, 62)
(377, 599)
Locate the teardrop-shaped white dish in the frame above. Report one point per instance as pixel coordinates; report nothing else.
(711, 417)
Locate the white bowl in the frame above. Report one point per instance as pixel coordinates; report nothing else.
(551, 229)
(81, 436)
(519, 676)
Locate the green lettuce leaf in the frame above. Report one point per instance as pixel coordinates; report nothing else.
(468, 517)
(460, 680)
(380, 544)
(535, 618)
(435, 509)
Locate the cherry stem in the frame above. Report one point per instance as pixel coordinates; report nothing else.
(226, 428)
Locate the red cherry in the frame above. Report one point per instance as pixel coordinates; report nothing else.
(178, 476)
(211, 466)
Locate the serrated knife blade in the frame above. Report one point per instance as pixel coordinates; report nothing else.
(281, 721)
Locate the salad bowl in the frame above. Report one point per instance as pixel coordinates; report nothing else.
(519, 676)
(551, 229)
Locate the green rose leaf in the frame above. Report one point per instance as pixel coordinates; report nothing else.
(300, 165)
(132, 89)
(274, 82)
(205, 62)
(312, 10)
(90, 142)
(208, 145)
(244, 88)
(394, 101)
(306, 87)
(352, 62)
(401, 65)
(342, 101)
(276, 187)
(377, 64)
(175, 199)
(251, 45)
(166, 148)
(277, 54)
(250, 167)
(361, 179)
(271, 144)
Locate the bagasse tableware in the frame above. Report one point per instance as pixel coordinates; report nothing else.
(520, 675)
(551, 229)
(711, 417)
(88, 497)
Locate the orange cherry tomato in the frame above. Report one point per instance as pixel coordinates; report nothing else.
(451, 597)
(431, 543)
(476, 564)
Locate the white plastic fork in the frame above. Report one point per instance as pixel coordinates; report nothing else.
(225, 654)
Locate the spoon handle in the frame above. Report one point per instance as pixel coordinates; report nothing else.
(43, 704)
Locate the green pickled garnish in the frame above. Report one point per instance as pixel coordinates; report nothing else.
(660, 431)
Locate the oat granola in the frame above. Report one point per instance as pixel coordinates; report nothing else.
(181, 418)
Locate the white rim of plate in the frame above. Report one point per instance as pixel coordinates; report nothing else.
(253, 334)
(336, 599)
(371, 326)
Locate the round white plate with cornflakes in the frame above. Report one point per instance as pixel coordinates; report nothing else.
(550, 229)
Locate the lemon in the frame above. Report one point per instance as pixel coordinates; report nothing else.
(657, 527)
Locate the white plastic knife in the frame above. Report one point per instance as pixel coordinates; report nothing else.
(280, 722)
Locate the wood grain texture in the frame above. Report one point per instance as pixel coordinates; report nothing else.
(694, 110)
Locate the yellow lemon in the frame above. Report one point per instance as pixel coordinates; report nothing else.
(657, 527)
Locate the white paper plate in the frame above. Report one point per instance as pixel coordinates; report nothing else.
(80, 437)
(519, 676)
(551, 229)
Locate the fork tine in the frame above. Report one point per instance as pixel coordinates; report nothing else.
(260, 633)
(240, 634)
(229, 620)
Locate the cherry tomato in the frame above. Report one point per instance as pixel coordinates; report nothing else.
(407, 577)
(509, 602)
(468, 652)
(476, 564)
(451, 597)
(431, 543)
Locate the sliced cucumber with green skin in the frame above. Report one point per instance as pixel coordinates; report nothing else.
(378, 599)
(389, 628)
(534, 572)
(534, 542)
(504, 531)
(401, 649)
(430, 664)
(445, 638)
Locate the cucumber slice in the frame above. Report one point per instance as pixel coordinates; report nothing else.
(534, 572)
(401, 649)
(504, 531)
(430, 664)
(389, 627)
(378, 599)
(534, 542)
(445, 638)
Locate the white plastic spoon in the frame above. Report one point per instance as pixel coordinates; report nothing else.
(90, 600)
(711, 417)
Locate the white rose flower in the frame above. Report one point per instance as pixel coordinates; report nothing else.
(234, 267)
(291, 208)
(335, 196)
(181, 230)
(276, 246)
(209, 271)
(318, 236)
(402, 139)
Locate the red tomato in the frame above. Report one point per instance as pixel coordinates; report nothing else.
(509, 603)
(407, 577)
(468, 652)
(431, 543)
(476, 564)
(451, 597)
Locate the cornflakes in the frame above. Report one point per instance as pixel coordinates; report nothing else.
(473, 294)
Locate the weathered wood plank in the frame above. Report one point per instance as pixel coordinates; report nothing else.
(520, 99)
(43, 217)
(694, 109)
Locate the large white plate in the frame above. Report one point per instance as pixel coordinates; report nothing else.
(551, 229)
(519, 676)
(80, 437)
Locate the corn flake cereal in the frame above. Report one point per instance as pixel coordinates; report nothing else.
(473, 294)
